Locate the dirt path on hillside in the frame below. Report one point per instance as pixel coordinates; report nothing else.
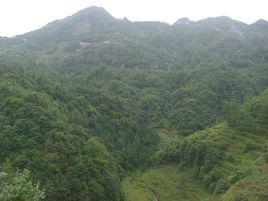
(154, 194)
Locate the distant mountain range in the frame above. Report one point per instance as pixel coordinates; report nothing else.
(93, 31)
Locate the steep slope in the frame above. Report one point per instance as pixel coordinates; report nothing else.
(89, 20)
(76, 141)
(230, 160)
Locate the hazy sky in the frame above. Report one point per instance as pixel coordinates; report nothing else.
(20, 16)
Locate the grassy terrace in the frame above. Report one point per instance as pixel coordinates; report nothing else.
(170, 183)
(164, 183)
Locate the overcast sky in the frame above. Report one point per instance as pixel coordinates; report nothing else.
(20, 16)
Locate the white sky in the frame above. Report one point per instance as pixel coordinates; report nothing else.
(20, 16)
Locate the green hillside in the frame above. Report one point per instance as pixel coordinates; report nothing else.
(96, 108)
(230, 159)
(241, 175)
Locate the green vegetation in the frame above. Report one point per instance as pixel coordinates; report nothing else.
(164, 183)
(224, 157)
(58, 133)
(103, 109)
(21, 188)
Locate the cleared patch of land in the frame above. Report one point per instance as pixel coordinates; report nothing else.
(164, 183)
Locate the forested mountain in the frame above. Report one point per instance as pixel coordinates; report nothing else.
(82, 101)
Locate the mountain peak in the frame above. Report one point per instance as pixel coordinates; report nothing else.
(261, 21)
(184, 20)
(260, 25)
(94, 13)
(93, 9)
(80, 23)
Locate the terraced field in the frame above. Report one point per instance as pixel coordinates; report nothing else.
(164, 183)
(172, 183)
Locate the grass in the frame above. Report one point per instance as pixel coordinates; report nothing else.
(136, 191)
(164, 183)
(166, 136)
(237, 143)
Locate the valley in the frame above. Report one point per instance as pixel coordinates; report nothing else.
(96, 108)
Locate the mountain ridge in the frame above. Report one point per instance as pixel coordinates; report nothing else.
(92, 32)
(99, 13)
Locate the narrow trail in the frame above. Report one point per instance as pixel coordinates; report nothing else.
(150, 189)
(154, 194)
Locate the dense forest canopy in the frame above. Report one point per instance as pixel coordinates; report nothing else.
(82, 100)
